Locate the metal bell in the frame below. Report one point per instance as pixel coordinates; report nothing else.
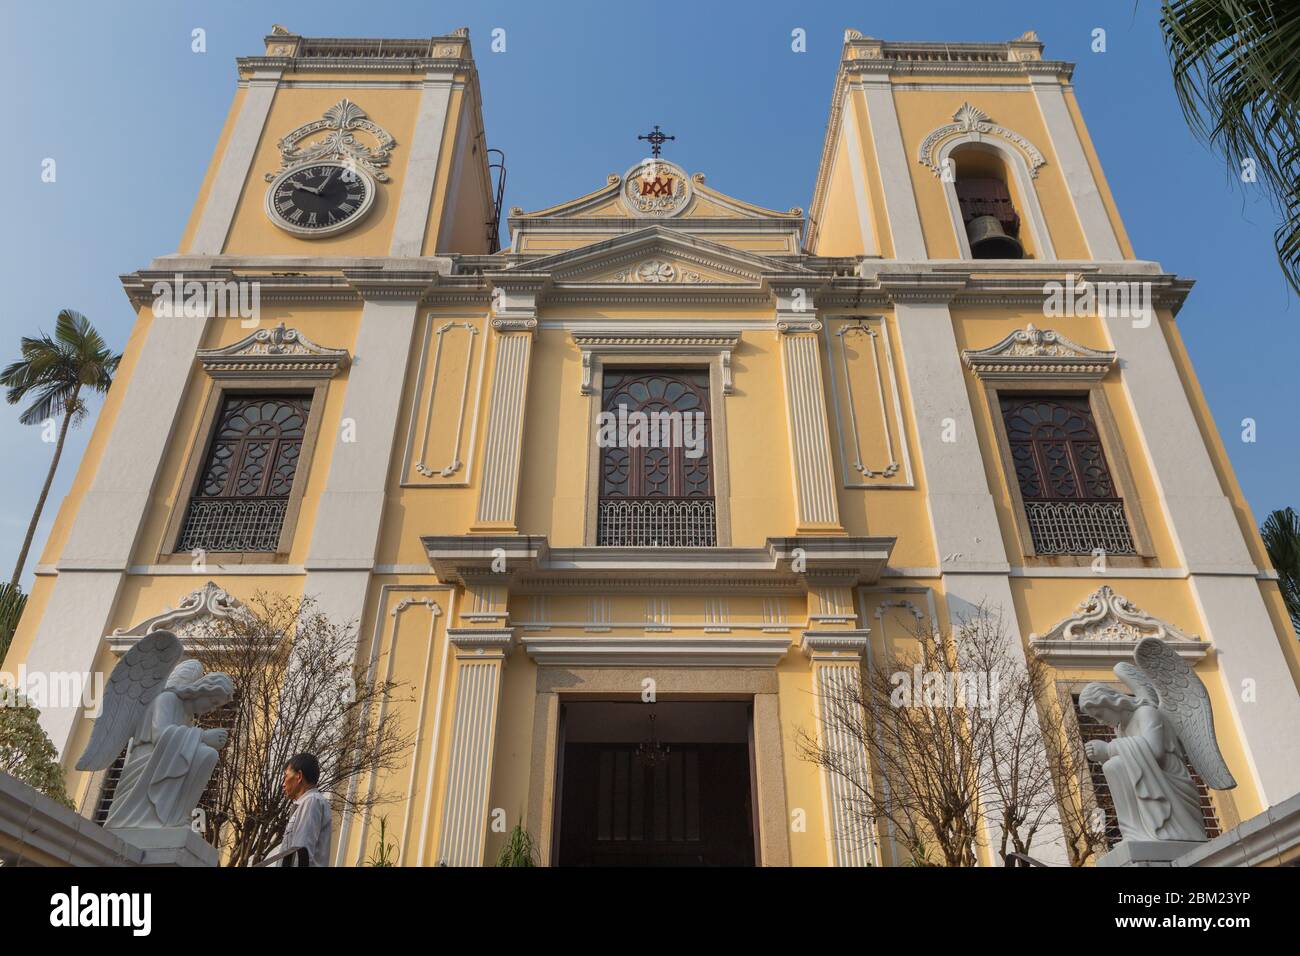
(988, 240)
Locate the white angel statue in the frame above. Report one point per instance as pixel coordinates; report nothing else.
(1154, 796)
(151, 700)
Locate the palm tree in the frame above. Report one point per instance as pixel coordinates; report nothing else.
(1236, 67)
(55, 371)
(1281, 533)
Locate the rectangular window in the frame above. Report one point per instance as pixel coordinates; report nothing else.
(244, 485)
(656, 472)
(1071, 502)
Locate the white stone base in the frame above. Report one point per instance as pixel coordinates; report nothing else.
(1141, 853)
(172, 846)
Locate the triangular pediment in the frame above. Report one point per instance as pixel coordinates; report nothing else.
(658, 256)
(660, 192)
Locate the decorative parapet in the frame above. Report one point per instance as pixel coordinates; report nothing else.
(1037, 353)
(1105, 629)
(275, 352)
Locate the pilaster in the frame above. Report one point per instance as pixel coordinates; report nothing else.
(481, 653)
(514, 323)
(236, 163)
(816, 504)
(836, 657)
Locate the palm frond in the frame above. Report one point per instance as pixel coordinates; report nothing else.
(1236, 71)
(1281, 534)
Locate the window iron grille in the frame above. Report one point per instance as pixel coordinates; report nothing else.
(1079, 527)
(657, 523)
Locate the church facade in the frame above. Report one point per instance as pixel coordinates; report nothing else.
(949, 383)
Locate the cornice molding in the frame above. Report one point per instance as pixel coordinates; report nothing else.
(482, 642)
(527, 562)
(848, 646)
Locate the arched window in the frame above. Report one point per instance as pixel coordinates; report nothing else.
(984, 197)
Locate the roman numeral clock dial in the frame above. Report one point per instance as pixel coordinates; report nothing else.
(319, 199)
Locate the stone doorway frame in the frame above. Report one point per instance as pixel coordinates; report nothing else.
(671, 683)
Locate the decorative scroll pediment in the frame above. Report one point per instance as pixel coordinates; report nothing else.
(339, 124)
(1105, 629)
(276, 352)
(970, 119)
(1037, 353)
(207, 602)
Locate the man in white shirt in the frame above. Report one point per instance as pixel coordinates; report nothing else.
(309, 824)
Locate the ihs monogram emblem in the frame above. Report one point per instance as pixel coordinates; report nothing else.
(656, 187)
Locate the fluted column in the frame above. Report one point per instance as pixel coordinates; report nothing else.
(816, 507)
(836, 657)
(480, 656)
(515, 321)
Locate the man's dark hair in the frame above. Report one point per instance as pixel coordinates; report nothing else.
(308, 766)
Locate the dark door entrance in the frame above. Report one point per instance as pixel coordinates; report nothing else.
(672, 792)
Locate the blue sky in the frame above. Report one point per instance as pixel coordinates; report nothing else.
(114, 94)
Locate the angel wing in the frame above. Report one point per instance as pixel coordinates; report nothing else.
(1184, 701)
(1137, 682)
(137, 679)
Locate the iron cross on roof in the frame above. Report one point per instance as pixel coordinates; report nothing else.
(656, 140)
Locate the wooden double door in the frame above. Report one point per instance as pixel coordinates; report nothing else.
(690, 804)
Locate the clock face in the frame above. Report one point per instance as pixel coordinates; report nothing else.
(319, 199)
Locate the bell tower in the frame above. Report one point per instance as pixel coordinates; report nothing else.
(349, 147)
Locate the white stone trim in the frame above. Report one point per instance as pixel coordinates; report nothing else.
(846, 845)
(345, 534)
(505, 436)
(891, 160)
(236, 164)
(469, 773)
(962, 514)
(1259, 841)
(1247, 651)
(815, 487)
(1093, 220)
(853, 143)
(421, 173)
(44, 829)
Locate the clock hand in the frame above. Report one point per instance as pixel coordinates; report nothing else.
(321, 188)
